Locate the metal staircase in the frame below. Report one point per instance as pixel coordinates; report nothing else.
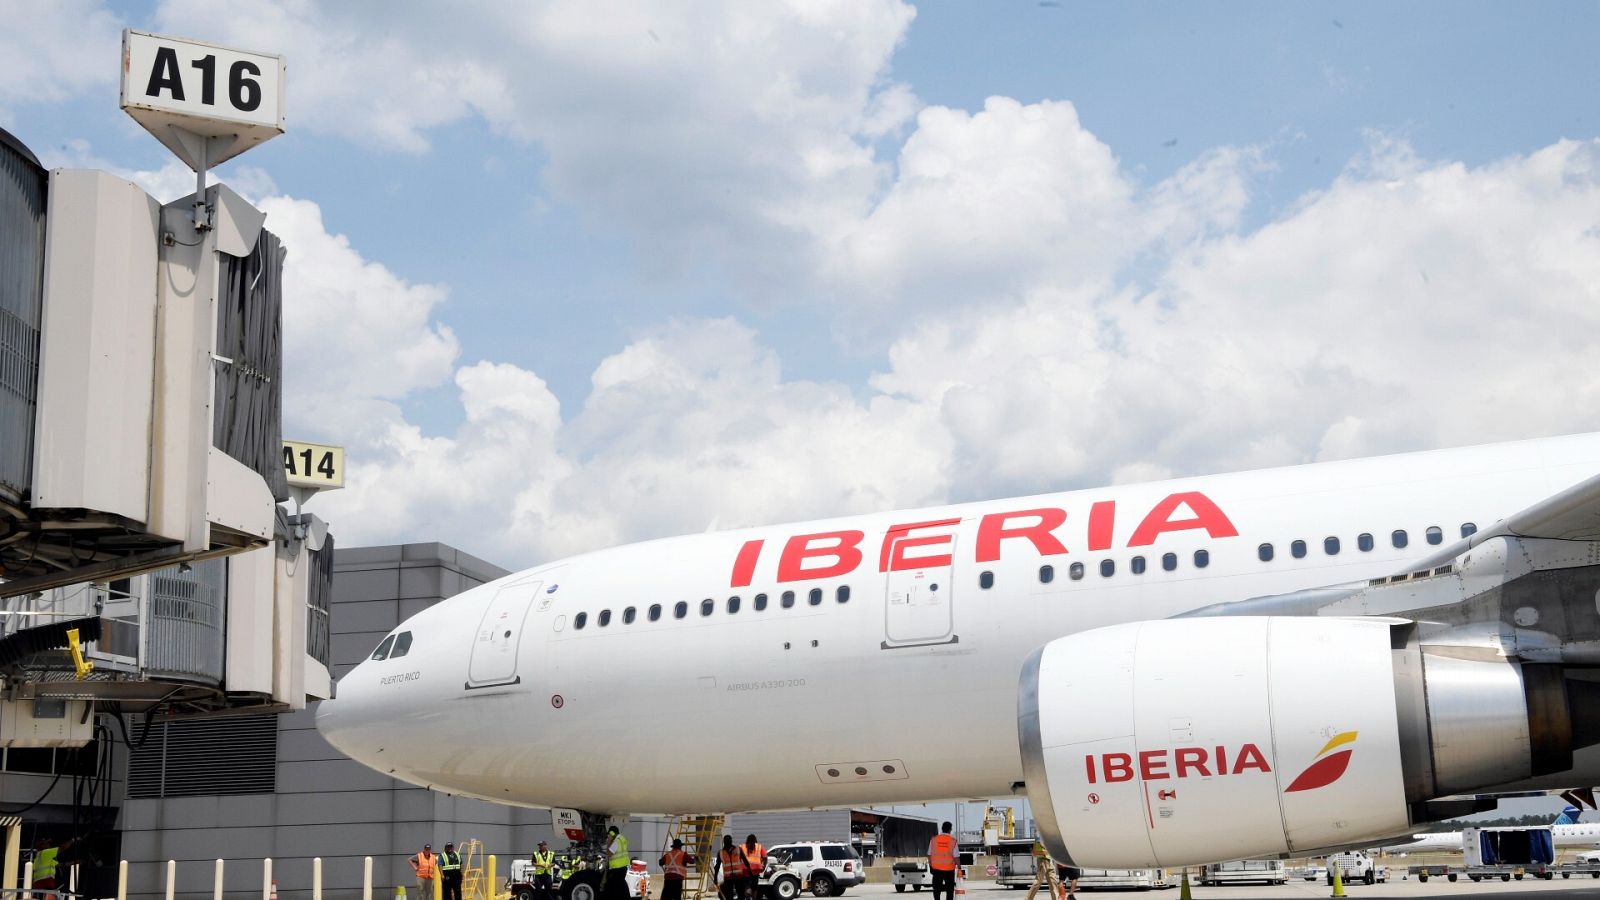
(699, 835)
(474, 883)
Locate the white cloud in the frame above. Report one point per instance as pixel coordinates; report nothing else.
(66, 48)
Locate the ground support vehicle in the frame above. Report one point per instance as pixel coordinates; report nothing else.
(915, 875)
(1123, 879)
(1265, 871)
(1354, 867)
(779, 881)
(828, 868)
(1014, 864)
(1479, 873)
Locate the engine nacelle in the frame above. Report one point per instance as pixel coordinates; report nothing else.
(1179, 742)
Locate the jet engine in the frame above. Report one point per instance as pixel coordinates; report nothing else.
(1178, 742)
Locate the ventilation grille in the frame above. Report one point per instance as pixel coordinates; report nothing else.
(205, 757)
(183, 637)
(319, 602)
(22, 216)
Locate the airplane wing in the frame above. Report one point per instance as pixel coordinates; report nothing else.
(1524, 577)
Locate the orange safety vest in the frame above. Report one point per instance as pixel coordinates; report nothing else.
(942, 852)
(425, 865)
(675, 863)
(757, 858)
(732, 864)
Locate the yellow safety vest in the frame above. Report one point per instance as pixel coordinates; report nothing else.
(450, 862)
(543, 862)
(619, 853)
(44, 864)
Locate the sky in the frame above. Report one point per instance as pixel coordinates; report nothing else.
(577, 273)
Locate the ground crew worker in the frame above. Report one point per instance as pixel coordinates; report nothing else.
(755, 862)
(544, 866)
(426, 865)
(450, 872)
(729, 869)
(943, 857)
(674, 869)
(614, 886)
(45, 860)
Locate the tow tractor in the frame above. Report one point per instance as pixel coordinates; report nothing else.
(915, 875)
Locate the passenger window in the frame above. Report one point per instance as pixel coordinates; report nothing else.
(655, 612)
(580, 620)
(708, 606)
(842, 594)
(1075, 571)
(1435, 534)
(1047, 574)
(1330, 546)
(605, 618)
(733, 604)
(628, 616)
(1364, 542)
(402, 645)
(814, 597)
(1138, 565)
(788, 599)
(986, 580)
(1107, 568)
(761, 602)
(1169, 561)
(1468, 529)
(681, 610)
(383, 649)
(1202, 558)
(800, 854)
(1298, 549)
(1264, 553)
(1399, 538)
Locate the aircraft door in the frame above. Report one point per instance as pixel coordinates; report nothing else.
(920, 606)
(499, 639)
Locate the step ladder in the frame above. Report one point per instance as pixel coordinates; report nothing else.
(474, 884)
(699, 835)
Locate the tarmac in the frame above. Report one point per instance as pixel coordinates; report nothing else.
(1576, 888)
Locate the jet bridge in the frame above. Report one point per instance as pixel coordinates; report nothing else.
(146, 566)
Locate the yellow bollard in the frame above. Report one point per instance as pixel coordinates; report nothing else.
(1184, 892)
(491, 888)
(1338, 878)
(438, 881)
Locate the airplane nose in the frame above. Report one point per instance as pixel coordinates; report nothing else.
(346, 721)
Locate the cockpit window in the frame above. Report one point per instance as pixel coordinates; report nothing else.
(383, 649)
(402, 645)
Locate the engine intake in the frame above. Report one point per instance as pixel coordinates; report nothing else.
(1178, 742)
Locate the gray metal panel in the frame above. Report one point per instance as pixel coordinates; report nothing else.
(786, 827)
(22, 219)
(184, 638)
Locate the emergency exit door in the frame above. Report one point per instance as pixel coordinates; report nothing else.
(920, 608)
(498, 641)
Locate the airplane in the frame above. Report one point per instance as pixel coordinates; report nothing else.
(1264, 663)
(1566, 832)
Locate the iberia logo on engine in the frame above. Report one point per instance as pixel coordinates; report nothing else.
(1205, 762)
(1179, 762)
(1329, 766)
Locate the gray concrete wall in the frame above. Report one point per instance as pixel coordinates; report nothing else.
(325, 804)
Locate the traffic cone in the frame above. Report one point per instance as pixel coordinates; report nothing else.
(1338, 880)
(1183, 892)
(274, 889)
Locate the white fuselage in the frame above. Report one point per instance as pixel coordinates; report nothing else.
(902, 692)
(1578, 835)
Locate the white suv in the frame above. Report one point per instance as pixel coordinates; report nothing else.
(830, 867)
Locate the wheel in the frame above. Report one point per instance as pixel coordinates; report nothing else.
(823, 885)
(1506, 877)
(1566, 874)
(916, 887)
(1518, 877)
(1422, 877)
(581, 886)
(788, 888)
(899, 889)
(524, 894)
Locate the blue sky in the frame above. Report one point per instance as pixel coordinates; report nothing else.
(574, 274)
